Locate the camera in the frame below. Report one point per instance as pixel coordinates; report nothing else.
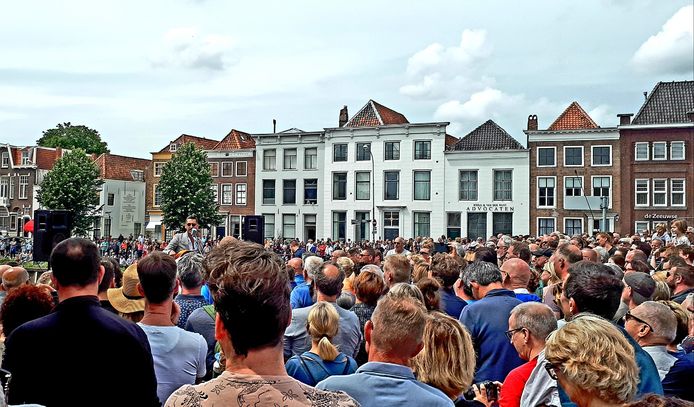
(491, 389)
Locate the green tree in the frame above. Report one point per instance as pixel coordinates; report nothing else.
(185, 189)
(73, 184)
(66, 135)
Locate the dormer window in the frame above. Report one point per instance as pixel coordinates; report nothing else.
(173, 147)
(25, 157)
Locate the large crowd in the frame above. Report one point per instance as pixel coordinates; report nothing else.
(552, 320)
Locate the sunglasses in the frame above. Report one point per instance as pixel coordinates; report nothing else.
(551, 370)
(191, 224)
(629, 316)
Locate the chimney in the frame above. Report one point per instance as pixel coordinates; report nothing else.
(645, 95)
(344, 116)
(625, 119)
(532, 122)
(274, 125)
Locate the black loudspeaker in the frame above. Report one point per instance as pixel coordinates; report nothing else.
(254, 229)
(50, 228)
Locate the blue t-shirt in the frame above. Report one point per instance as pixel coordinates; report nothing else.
(310, 369)
(301, 296)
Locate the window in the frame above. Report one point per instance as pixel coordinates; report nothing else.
(157, 195)
(173, 147)
(422, 186)
(502, 222)
(602, 155)
(659, 192)
(269, 160)
(5, 159)
(573, 226)
(363, 150)
(677, 150)
(363, 185)
(340, 186)
(641, 151)
(110, 199)
(677, 192)
(268, 192)
(214, 169)
(241, 194)
(422, 151)
(601, 187)
(25, 157)
(227, 169)
(137, 175)
(572, 186)
(340, 152)
(288, 226)
(227, 192)
(269, 220)
(659, 150)
(290, 159)
(453, 224)
(289, 191)
(215, 193)
(573, 156)
(641, 226)
(391, 181)
(392, 150)
(311, 158)
(23, 185)
(502, 185)
(311, 191)
(158, 167)
(545, 191)
(468, 186)
(545, 226)
(642, 192)
(339, 225)
(241, 168)
(12, 187)
(4, 182)
(421, 223)
(546, 156)
(391, 225)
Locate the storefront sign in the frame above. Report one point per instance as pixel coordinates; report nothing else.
(490, 207)
(656, 216)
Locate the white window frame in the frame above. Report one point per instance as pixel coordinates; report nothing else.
(684, 152)
(26, 157)
(664, 191)
(158, 165)
(414, 149)
(582, 156)
(238, 173)
(23, 191)
(664, 144)
(583, 226)
(647, 192)
(537, 156)
(154, 196)
(215, 192)
(285, 217)
(494, 190)
(12, 186)
(415, 183)
(285, 156)
(266, 159)
(554, 219)
(611, 186)
(592, 156)
(241, 193)
(231, 169)
(683, 192)
(231, 192)
(5, 159)
(213, 165)
(573, 176)
(173, 147)
(636, 151)
(306, 166)
(638, 230)
(271, 230)
(537, 193)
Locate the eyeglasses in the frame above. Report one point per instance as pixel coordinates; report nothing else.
(191, 224)
(551, 370)
(629, 316)
(509, 334)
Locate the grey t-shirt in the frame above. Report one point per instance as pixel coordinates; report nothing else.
(201, 322)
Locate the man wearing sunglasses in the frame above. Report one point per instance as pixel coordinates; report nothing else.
(189, 239)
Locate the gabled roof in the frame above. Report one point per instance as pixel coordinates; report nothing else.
(235, 140)
(200, 142)
(292, 130)
(450, 140)
(488, 136)
(573, 118)
(668, 103)
(374, 114)
(119, 167)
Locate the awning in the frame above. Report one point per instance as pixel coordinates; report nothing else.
(151, 225)
(29, 226)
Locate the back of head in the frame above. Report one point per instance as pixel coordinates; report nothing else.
(368, 287)
(398, 325)
(157, 274)
(329, 279)
(446, 269)
(14, 277)
(661, 319)
(251, 289)
(484, 273)
(75, 262)
(570, 252)
(401, 290)
(522, 250)
(311, 265)
(190, 270)
(109, 275)
(486, 254)
(537, 318)
(518, 272)
(430, 290)
(399, 268)
(323, 322)
(23, 304)
(686, 272)
(594, 288)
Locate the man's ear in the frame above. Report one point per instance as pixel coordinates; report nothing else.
(220, 331)
(418, 349)
(573, 309)
(368, 329)
(140, 289)
(100, 275)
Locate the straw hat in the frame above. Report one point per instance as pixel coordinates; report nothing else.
(127, 299)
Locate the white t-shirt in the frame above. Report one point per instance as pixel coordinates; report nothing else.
(179, 357)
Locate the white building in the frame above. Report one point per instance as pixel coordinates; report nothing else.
(487, 184)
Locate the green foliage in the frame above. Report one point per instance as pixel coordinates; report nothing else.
(66, 135)
(73, 184)
(185, 189)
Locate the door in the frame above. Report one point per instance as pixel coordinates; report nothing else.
(362, 226)
(477, 225)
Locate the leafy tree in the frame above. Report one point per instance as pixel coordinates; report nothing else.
(73, 184)
(66, 135)
(185, 189)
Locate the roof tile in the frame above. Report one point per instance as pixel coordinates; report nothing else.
(374, 114)
(488, 136)
(235, 140)
(200, 142)
(119, 167)
(573, 118)
(668, 103)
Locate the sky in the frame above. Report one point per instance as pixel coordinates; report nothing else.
(144, 72)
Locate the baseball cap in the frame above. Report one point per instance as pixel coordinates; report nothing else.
(642, 286)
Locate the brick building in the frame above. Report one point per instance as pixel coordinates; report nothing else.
(573, 163)
(657, 152)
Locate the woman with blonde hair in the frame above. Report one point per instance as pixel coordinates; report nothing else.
(323, 359)
(593, 362)
(661, 233)
(419, 271)
(679, 233)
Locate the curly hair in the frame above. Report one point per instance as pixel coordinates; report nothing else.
(594, 356)
(24, 304)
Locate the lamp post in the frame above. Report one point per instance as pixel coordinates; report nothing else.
(367, 147)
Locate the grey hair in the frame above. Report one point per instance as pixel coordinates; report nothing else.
(604, 255)
(189, 269)
(506, 239)
(372, 267)
(402, 290)
(661, 319)
(484, 273)
(311, 265)
(536, 317)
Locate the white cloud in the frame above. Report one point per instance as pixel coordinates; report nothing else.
(603, 116)
(480, 106)
(185, 47)
(670, 50)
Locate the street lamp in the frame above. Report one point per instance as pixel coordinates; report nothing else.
(367, 147)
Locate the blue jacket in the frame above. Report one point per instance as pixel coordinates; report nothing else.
(309, 368)
(451, 304)
(678, 381)
(300, 296)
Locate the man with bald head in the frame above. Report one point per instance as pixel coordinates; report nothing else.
(589, 254)
(565, 255)
(297, 265)
(336, 254)
(653, 325)
(3, 292)
(13, 278)
(517, 279)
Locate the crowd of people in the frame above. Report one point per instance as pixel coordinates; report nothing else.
(511, 321)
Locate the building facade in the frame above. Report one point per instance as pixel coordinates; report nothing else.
(486, 188)
(658, 159)
(574, 169)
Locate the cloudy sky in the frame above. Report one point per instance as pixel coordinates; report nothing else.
(143, 72)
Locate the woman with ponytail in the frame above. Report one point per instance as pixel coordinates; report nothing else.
(324, 359)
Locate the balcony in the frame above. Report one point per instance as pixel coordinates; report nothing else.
(578, 203)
